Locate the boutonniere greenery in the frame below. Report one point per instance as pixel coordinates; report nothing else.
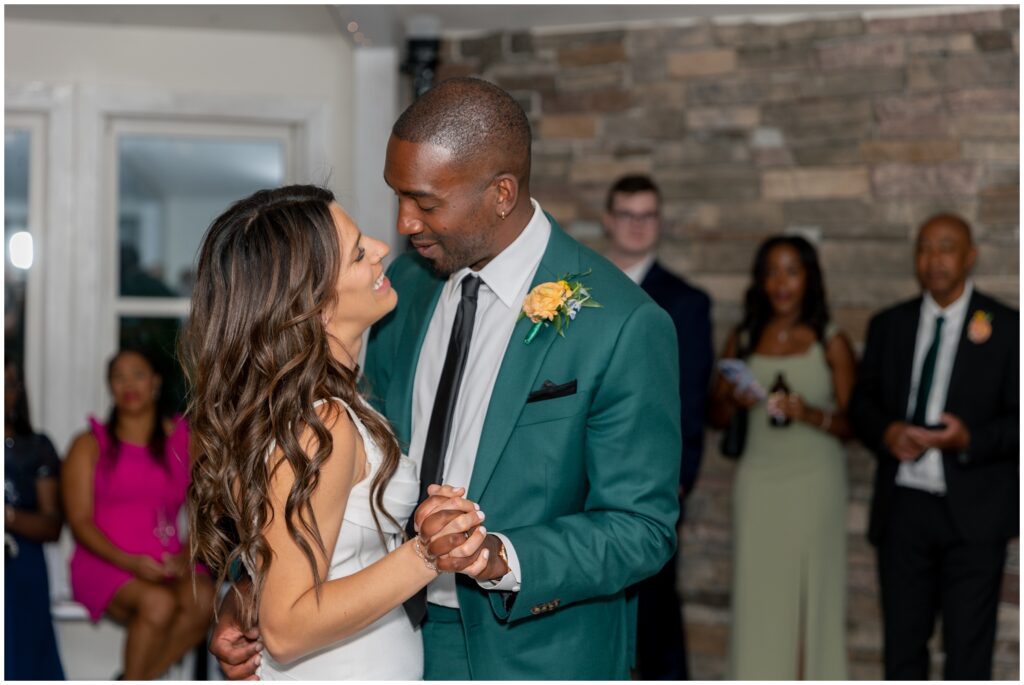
(556, 303)
(980, 327)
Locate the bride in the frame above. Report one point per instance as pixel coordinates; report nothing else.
(295, 477)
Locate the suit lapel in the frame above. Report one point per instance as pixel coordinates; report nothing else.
(414, 330)
(652, 279)
(904, 371)
(520, 366)
(965, 352)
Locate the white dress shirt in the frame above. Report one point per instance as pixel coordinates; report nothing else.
(638, 272)
(927, 473)
(505, 282)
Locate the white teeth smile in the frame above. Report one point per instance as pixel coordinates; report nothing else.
(379, 282)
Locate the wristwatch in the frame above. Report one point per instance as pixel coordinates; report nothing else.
(503, 556)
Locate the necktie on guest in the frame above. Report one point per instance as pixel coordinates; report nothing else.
(924, 385)
(441, 417)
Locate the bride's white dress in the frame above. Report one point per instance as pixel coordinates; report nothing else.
(388, 649)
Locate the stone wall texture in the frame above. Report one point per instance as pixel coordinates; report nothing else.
(848, 129)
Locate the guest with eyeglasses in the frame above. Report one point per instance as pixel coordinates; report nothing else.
(633, 226)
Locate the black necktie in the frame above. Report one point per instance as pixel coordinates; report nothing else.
(924, 386)
(440, 427)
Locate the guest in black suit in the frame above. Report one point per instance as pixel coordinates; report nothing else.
(937, 401)
(632, 223)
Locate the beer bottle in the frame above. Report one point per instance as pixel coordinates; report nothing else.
(780, 390)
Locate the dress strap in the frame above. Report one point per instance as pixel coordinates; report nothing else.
(99, 431)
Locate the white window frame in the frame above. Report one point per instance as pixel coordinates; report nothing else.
(171, 307)
(47, 111)
(301, 124)
(35, 124)
(48, 369)
(71, 306)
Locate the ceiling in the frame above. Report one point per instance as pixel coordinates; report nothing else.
(386, 24)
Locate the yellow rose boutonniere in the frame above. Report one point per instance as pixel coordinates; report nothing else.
(555, 302)
(980, 327)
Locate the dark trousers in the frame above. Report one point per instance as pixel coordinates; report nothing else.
(660, 638)
(444, 645)
(925, 567)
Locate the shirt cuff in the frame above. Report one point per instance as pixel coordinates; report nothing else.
(510, 581)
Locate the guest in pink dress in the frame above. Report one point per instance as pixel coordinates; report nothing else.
(124, 485)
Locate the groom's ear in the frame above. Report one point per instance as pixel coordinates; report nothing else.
(507, 194)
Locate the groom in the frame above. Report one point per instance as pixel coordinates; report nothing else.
(570, 443)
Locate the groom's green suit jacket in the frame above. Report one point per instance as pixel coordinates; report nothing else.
(583, 485)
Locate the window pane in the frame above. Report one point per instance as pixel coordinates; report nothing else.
(158, 336)
(169, 190)
(17, 241)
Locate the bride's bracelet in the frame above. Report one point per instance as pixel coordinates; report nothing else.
(422, 554)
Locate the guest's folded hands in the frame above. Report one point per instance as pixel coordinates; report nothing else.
(952, 436)
(904, 441)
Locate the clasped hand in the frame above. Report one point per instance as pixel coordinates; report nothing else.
(146, 567)
(451, 530)
(907, 442)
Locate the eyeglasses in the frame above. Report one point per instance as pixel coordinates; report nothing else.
(624, 216)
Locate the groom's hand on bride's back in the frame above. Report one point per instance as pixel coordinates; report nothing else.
(237, 651)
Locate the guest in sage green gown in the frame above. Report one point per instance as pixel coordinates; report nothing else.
(790, 491)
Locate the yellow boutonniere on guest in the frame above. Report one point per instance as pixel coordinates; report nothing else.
(980, 327)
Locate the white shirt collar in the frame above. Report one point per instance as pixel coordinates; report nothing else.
(956, 309)
(638, 272)
(507, 273)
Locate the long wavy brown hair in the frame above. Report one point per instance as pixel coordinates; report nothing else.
(256, 356)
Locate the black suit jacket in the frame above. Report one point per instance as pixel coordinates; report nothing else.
(690, 309)
(982, 485)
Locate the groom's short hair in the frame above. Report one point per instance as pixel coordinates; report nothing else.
(473, 119)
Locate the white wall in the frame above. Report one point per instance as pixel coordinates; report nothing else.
(173, 69)
(187, 61)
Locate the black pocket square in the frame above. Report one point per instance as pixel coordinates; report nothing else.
(549, 391)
